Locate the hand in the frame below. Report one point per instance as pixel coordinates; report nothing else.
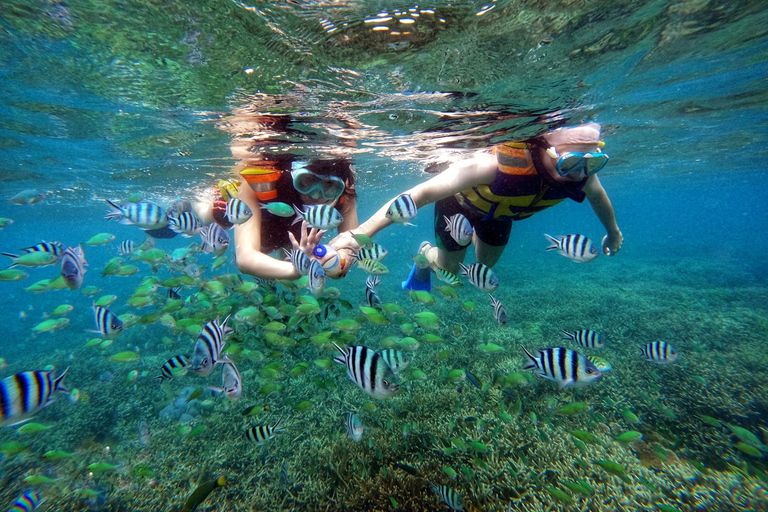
(347, 242)
(308, 241)
(612, 243)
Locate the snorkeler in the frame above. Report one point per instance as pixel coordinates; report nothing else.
(494, 189)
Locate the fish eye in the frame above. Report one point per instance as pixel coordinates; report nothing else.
(205, 361)
(590, 371)
(386, 383)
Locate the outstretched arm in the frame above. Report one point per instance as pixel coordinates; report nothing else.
(459, 176)
(603, 208)
(250, 259)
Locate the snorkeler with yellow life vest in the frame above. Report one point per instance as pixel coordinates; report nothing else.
(493, 189)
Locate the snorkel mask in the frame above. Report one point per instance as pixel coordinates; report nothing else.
(317, 186)
(578, 164)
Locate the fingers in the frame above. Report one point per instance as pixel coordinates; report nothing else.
(294, 243)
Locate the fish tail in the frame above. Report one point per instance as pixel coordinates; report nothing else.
(58, 383)
(568, 335)
(115, 213)
(340, 359)
(532, 360)
(299, 215)
(161, 378)
(554, 243)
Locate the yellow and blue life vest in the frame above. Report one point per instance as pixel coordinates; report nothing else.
(519, 190)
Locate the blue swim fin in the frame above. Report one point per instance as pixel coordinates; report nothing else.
(419, 279)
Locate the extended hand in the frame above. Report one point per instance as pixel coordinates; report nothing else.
(612, 243)
(308, 241)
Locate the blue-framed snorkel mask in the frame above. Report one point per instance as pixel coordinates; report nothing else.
(322, 250)
(317, 186)
(578, 165)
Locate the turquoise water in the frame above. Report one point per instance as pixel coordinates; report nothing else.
(102, 100)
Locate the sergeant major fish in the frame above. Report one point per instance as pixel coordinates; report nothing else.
(316, 281)
(395, 359)
(237, 211)
(586, 338)
(172, 366)
(24, 394)
(28, 502)
(73, 267)
(215, 239)
(231, 382)
(354, 427)
(459, 228)
(367, 369)
(574, 247)
(499, 311)
(261, 433)
(107, 323)
(566, 367)
(481, 276)
(185, 223)
(143, 214)
(319, 216)
(660, 352)
(402, 209)
(208, 347)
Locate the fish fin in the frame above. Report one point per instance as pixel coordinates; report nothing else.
(532, 360)
(554, 243)
(564, 384)
(299, 215)
(58, 383)
(409, 224)
(568, 336)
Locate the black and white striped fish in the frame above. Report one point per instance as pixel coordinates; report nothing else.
(374, 252)
(173, 293)
(316, 278)
(586, 338)
(143, 214)
(397, 360)
(320, 216)
(499, 311)
(566, 367)
(126, 247)
(23, 394)
(372, 281)
(354, 427)
(215, 239)
(208, 347)
(173, 366)
(402, 209)
(660, 352)
(107, 323)
(261, 433)
(54, 248)
(371, 296)
(449, 496)
(574, 247)
(481, 276)
(185, 223)
(73, 267)
(300, 260)
(237, 211)
(459, 228)
(368, 370)
(231, 382)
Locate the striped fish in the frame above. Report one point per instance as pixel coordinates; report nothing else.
(54, 248)
(372, 281)
(231, 382)
(566, 367)
(320, 216)
(215, 239)
(448, 277)
(208, 347)
(173, 293)
(600, 363)
(300, 260)
(660, 352)
(402, 209)
(368, 370)
(126, 247)
(459, 228)
(316, 278)
(481, 276)
(574, 247)
(372, 298)
(373, 267)
(499, 311)
(449, 496)
(587, 338)
(354, 427)
(374, 252)
(107, 323)
(185, 223)
(28, 502)
(73, 267)
(237, 211)
(24, 394)
(261, 433)
(143, 214)
(173, 366)
(397, 360)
